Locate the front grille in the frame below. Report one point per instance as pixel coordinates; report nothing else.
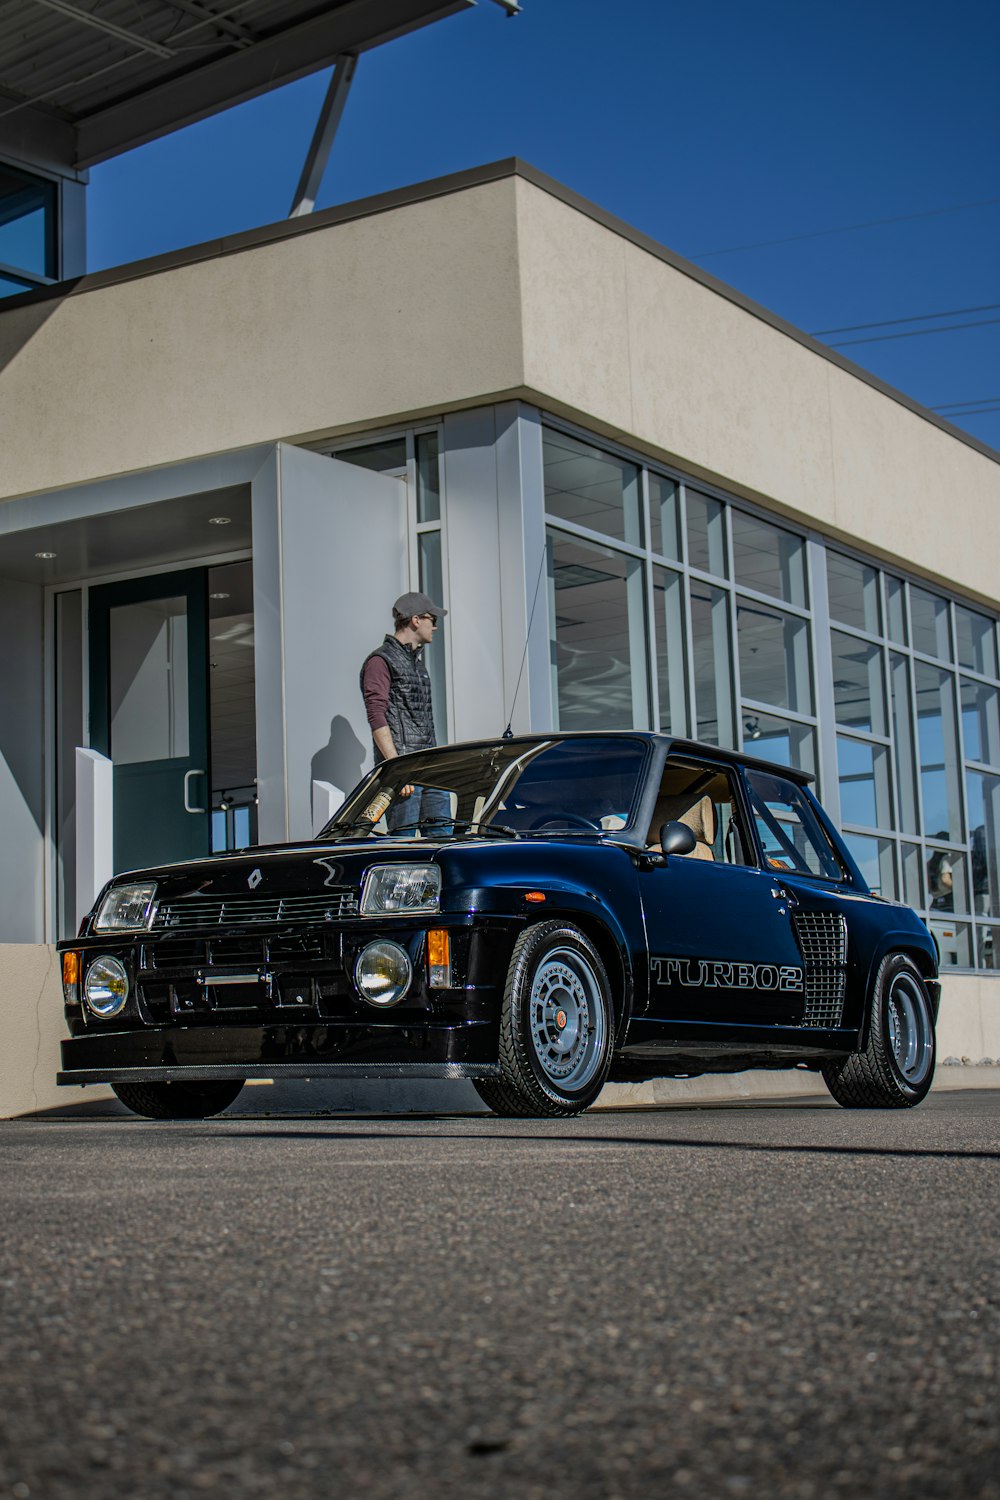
(240, 911)
(822, 939)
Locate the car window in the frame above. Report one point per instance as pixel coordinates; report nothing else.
(573, 785)
(791, 835)
(702, 797)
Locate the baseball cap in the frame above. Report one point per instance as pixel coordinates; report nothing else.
(409, 605)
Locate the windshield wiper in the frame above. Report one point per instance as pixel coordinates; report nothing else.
(460, 823)
(350, 827)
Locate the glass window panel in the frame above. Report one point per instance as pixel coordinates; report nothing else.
(864, 783)
(980, 722)
(938, 752)
(912, 859)
(768, 559)
(428, 479)
(591, 488)
(712, 671)
(706, 533)
(929, 619)
(435, 655)
(664, 516)
(382, 458)
(148, 681)
(905, 744)
(954, 941)
(779, 740)
(598, 635)
(853, 590)
(988, 947)
(671, 658)
(790, 833)
(983, 801)
(947, 887)
(27, 222)
(873, 858)
(895, 592)
(774, 657)
(976, 641)
(857, 683)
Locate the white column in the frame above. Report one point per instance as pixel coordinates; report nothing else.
(94, 827)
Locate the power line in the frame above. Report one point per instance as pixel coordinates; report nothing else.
(953, 312)
(914, 333)
(979, 401)
(818, 234)
(971, 411)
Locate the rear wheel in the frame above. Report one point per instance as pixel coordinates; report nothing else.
(896, 1068)
(556, 1027)
(178, 1101)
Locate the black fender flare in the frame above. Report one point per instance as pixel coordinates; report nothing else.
(923, 953)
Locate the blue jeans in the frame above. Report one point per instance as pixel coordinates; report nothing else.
(426, 804)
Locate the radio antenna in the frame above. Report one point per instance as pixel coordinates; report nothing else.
(508, 733)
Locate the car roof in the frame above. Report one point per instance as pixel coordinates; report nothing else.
(674, 745)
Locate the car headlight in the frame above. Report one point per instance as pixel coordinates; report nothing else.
(383, 973)
(105, 988)
(125, 908)
(393, 890)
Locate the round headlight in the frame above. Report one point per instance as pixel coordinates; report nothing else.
(383, 973)
(105, 988)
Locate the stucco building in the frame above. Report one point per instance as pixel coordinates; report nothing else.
(644, 499)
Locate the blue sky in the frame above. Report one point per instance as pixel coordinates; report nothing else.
(712, 128)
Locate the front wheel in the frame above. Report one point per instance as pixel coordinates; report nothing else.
(178, 1101)
(896, 1068)
(556, 1026)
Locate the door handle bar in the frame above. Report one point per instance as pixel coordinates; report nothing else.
(187, 783)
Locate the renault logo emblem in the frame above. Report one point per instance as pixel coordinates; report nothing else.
(254, 880)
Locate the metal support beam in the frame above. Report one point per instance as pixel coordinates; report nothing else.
(318, 154)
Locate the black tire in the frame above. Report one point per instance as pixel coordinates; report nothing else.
(896, 1068)
(556, 1026)
(178, 1101)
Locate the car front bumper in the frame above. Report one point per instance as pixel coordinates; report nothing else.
(426, 1049)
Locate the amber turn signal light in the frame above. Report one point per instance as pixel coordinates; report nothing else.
(71, 978)
(534, 895)
(439, 958)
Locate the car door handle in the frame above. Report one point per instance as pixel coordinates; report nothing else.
(187, 792)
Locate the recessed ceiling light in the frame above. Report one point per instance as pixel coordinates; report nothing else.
(218, 596)
(219, 520)
(46, 555)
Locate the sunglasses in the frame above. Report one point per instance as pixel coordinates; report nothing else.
(433, 618)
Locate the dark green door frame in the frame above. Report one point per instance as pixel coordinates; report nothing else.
(162, 807)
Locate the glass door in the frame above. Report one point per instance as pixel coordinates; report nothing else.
(149, 713)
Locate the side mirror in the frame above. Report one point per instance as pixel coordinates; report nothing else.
(677, 838)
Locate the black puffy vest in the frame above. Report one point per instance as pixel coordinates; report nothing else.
(409, 715)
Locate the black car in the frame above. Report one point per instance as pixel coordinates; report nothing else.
(595, 906)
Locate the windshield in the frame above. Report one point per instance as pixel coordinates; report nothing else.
(508, 788)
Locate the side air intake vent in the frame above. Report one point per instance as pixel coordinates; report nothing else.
(822, 939)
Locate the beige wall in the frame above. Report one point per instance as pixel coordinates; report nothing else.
(500, 288)
(33, 1026)
(612, 332)
(411, 309)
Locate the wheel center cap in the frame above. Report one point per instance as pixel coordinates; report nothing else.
(561, 1019)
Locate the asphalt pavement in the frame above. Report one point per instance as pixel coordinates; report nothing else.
(746, 1300)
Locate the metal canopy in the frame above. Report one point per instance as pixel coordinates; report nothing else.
(83, 80)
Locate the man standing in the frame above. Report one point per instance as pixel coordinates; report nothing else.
(396, 687)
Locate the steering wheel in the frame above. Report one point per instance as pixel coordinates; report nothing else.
(566, 820)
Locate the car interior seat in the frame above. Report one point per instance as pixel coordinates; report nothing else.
(698, 815)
